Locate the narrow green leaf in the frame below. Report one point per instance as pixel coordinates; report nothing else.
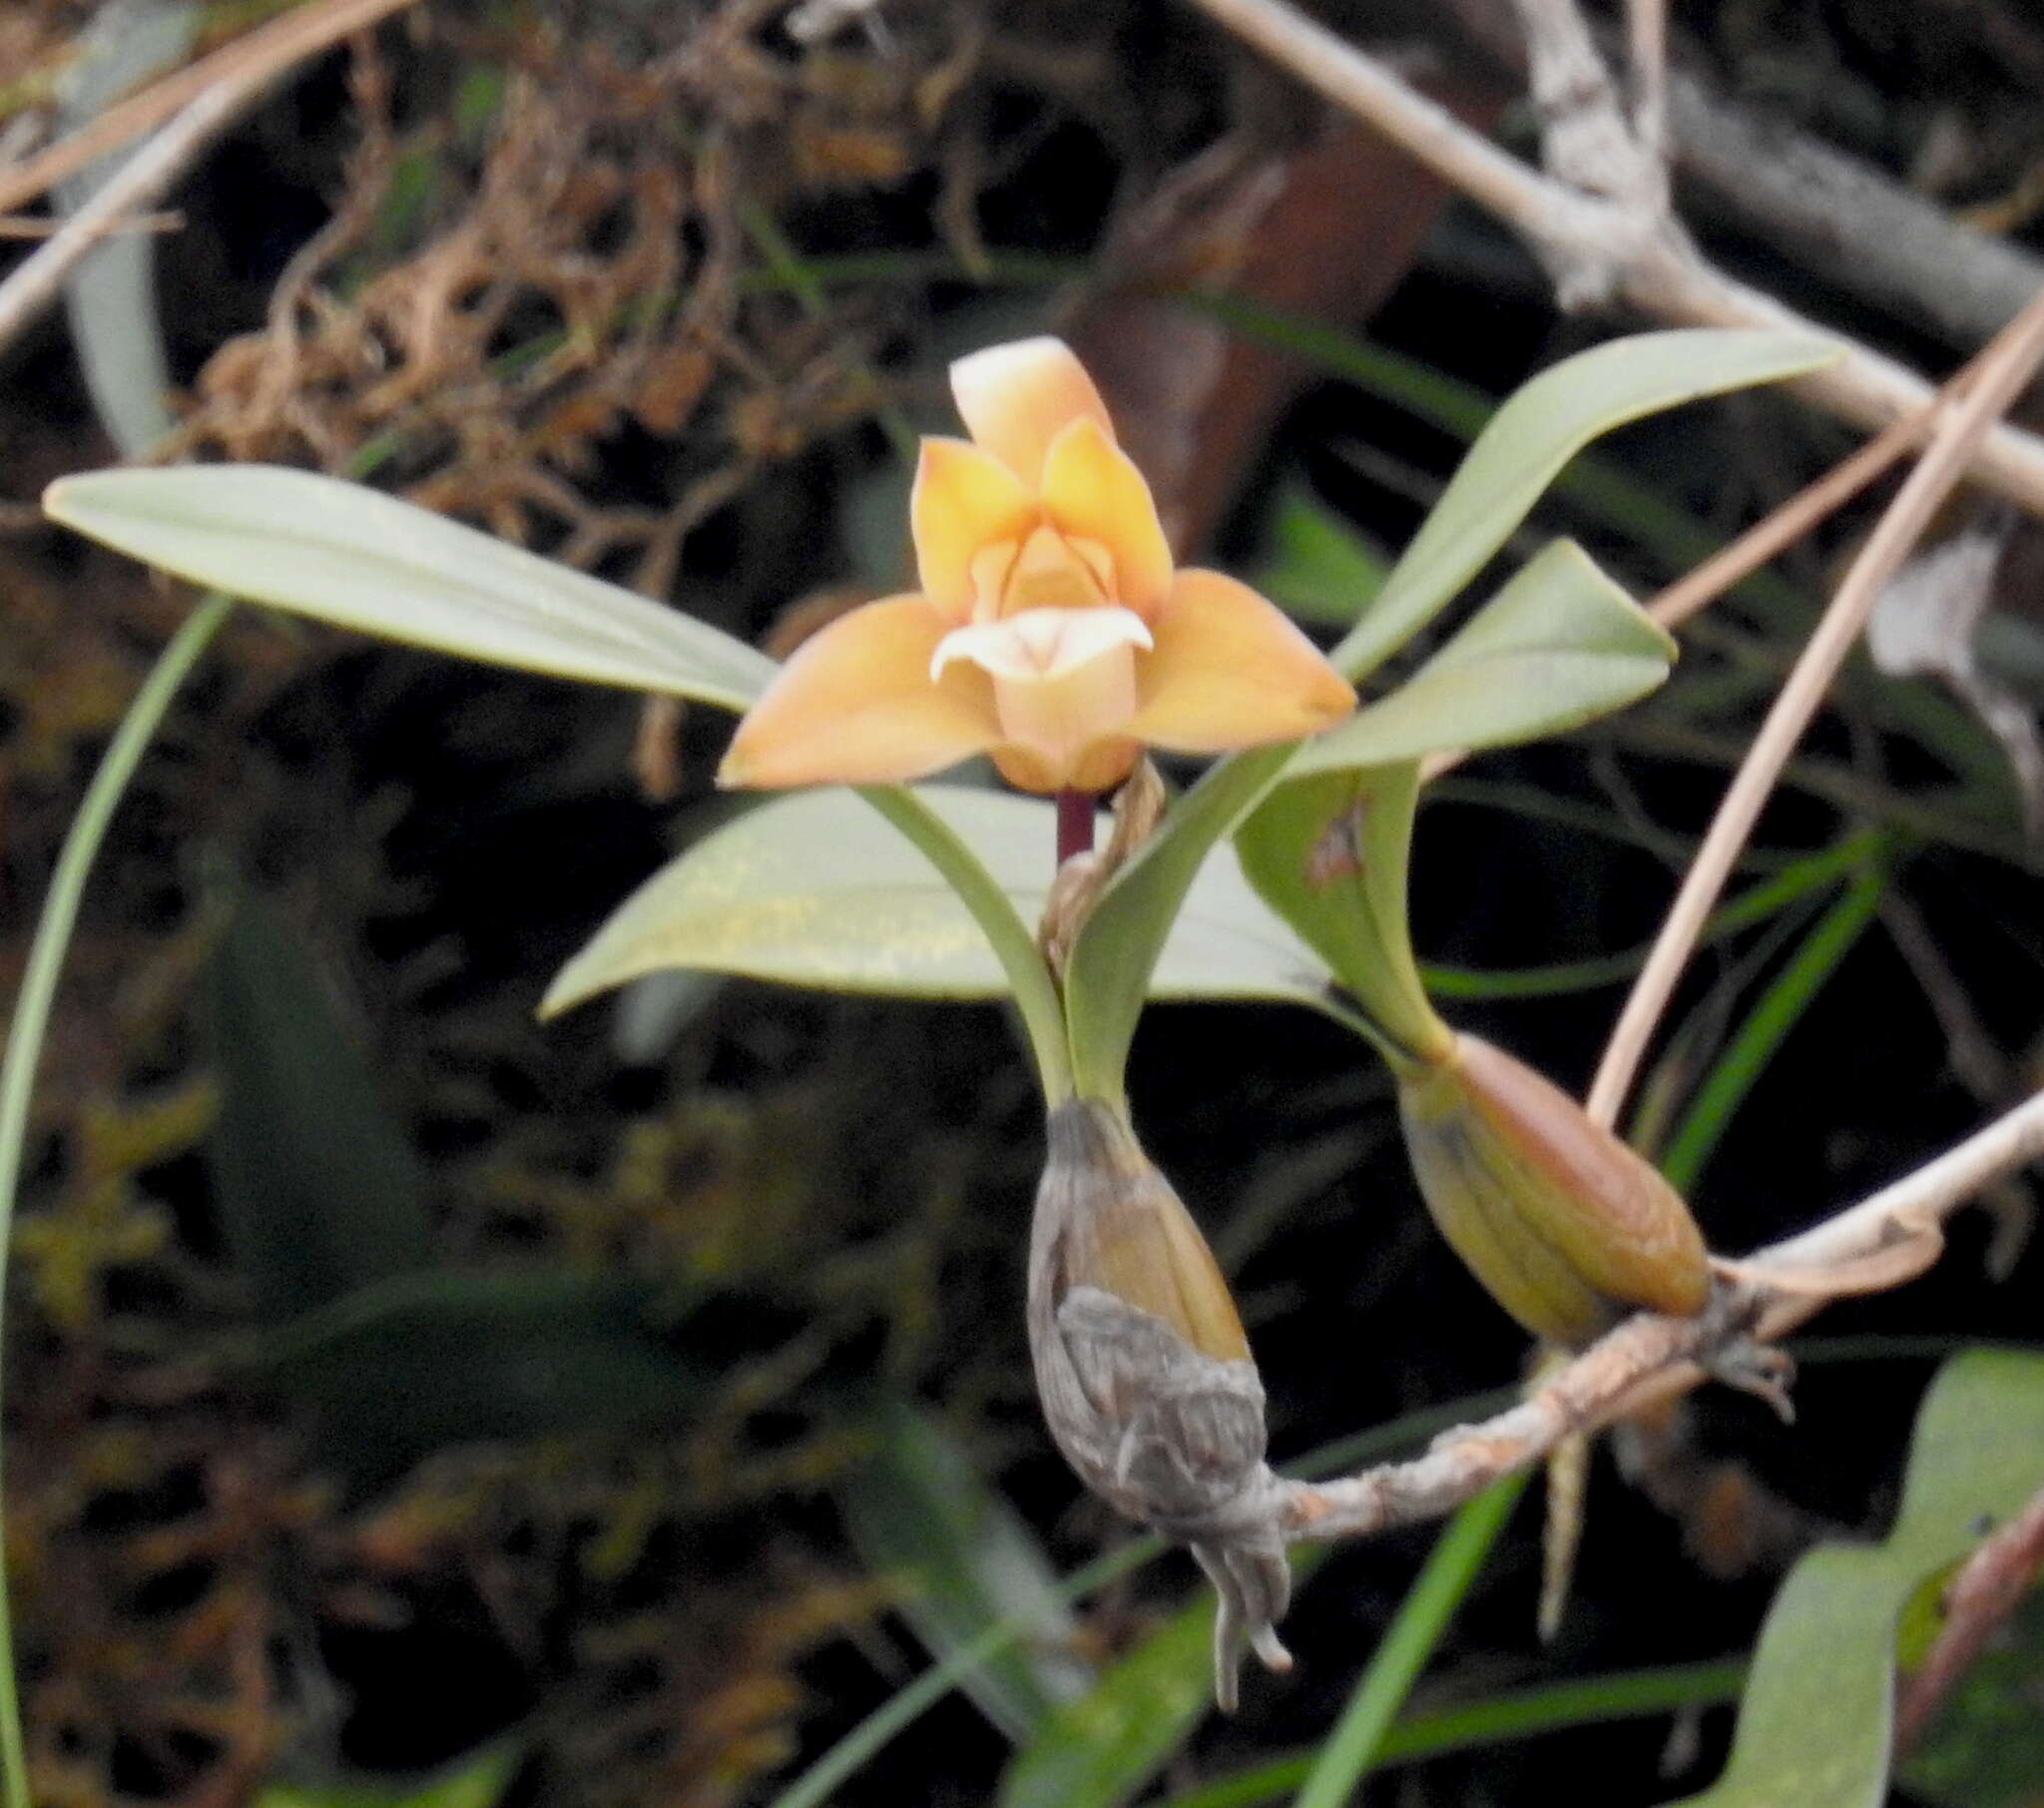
(1116, 953)
(314, 1180)
(1102, 1749)
(1315, 564)
(1493, 1721)
(399, 1369)
(1519, 452)
(1766, 1025)
(1816, 1722)
(1558, 646)
(362, 559)
(814, 889)
(1451, 1567)
(1757, 904)
(918, 1509)
(477, 1781)
(1538, 430)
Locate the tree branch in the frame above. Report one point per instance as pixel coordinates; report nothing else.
(1659, 275)
(1646, 1359)
(2000, 376)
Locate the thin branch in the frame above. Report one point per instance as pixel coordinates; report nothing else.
(1847, 222)
(1589, 146)
(2013, 1141)
(38, 279)
(1465, 1460)
(1648, 1359)
(1986, 1591)
(24, 226)
(245, 64)
(1784, 525)
(2001, 376)
(1647, 45)
(1661, 276)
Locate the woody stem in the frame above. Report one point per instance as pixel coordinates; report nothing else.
(1075, 824)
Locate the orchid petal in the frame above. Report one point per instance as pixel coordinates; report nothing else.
(1229, 670)
(1015, 399)
(854, 704)
(964, 501)
(1063, 685)
(1093, 491)
(1098, 767)
(1041, 644)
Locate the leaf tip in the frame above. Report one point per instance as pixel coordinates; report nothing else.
(568, 988)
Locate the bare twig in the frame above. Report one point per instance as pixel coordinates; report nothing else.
(245, 64)
(1781, 527)
(1846, 221)
(1661, 277)
(1784, 525)
(24, 226)
(39, 278)
(1932, 1193)
(1985, 1592)
(1463, 1462)
(1589, 144)
(2001, 375)
(1649, 1359)
(1646, 45)
(199, 101)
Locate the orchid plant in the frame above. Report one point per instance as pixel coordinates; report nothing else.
(1052, 631)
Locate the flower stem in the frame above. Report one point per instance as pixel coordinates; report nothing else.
(1075, 824)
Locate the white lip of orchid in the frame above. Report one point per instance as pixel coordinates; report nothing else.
(1039, 645)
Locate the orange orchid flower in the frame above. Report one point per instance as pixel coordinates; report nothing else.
(1051, 629)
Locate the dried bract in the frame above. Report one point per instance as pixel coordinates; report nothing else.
(1146, 1377)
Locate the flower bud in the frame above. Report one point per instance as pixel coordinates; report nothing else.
(1146, 1377)
(1565, 1225)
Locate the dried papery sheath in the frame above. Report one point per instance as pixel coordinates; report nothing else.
(1565, 1225)
(1146, 1377)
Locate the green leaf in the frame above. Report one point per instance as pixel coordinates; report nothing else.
(1816, 1722)
(476, 1781)
(1558, 646)
(314, 1180)
(1102, 1749)
(1352, 1747)
(396, 1371)
(1539, 428)
(1314, 563)
(1491, 1720)
(1328, 854)
(362, 559)
(366, 561)
(1519, 452)
(917, 1509)
(1758, 1039)
(814, 889)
